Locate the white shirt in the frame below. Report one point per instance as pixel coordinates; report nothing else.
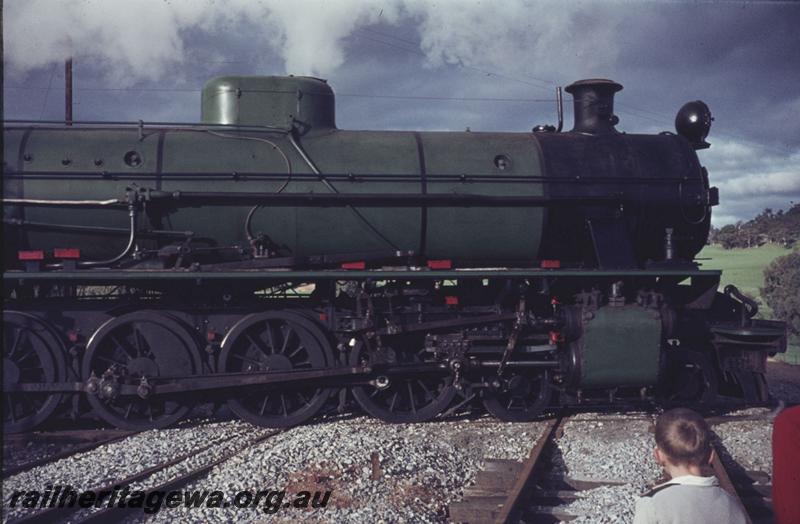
(688, 500)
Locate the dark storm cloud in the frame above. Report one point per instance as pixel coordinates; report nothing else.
(742, 58)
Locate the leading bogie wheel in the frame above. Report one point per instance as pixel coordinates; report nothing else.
(520, 397)
(689, 379)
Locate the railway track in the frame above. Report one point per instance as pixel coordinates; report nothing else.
(57, 444)
(510, 491)
(152, 479)
(71, 442)
(752, 489)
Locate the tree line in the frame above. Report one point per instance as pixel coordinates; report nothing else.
(777, 227)
(781, 289)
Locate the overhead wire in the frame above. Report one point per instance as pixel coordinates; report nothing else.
(637, 112)
(354, 95)
(537, 82)
(625, 108)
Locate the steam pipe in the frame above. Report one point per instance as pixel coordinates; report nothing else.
(192, 199)
(132, 214)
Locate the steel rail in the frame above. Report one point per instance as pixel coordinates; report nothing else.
(517, 495)
(56, 513)
(725, 480)
(112, 515)
(89, 446)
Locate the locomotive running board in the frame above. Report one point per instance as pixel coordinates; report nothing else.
(129, 276)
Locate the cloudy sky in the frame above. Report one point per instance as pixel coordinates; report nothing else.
(437, 65)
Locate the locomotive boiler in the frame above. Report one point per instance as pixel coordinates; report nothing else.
(270, 260)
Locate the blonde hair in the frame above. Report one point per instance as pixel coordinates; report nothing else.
(684, 437)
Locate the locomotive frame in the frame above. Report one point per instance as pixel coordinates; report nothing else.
(614, 309)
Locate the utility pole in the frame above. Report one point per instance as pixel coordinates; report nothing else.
(68, 91)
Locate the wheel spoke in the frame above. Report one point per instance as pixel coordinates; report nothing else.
(296, 351)
(257, 344)
(126, 349)
(270, 336)
(394, 400)
(31, 368)
(264, 405)
(411, 397)
(303, 398)
(289, 333)
(26, 355)
(10, 403)
(144, 343)
(137, 340)
(428, 394)
(111, 360)
(246, 359)
(17, 342)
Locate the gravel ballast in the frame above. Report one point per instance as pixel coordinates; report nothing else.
(422, 468)
(617, 450)
(113, 462)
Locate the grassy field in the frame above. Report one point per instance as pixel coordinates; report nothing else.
(742, 267)
(745, 269)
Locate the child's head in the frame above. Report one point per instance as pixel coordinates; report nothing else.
(683, 437)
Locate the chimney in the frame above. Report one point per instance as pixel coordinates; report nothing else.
(594, 105)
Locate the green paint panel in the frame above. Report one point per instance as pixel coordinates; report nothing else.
(348, 229)
(231, 155)
(219, 159)
(484, 234)
(62, 154)
(621, 347)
